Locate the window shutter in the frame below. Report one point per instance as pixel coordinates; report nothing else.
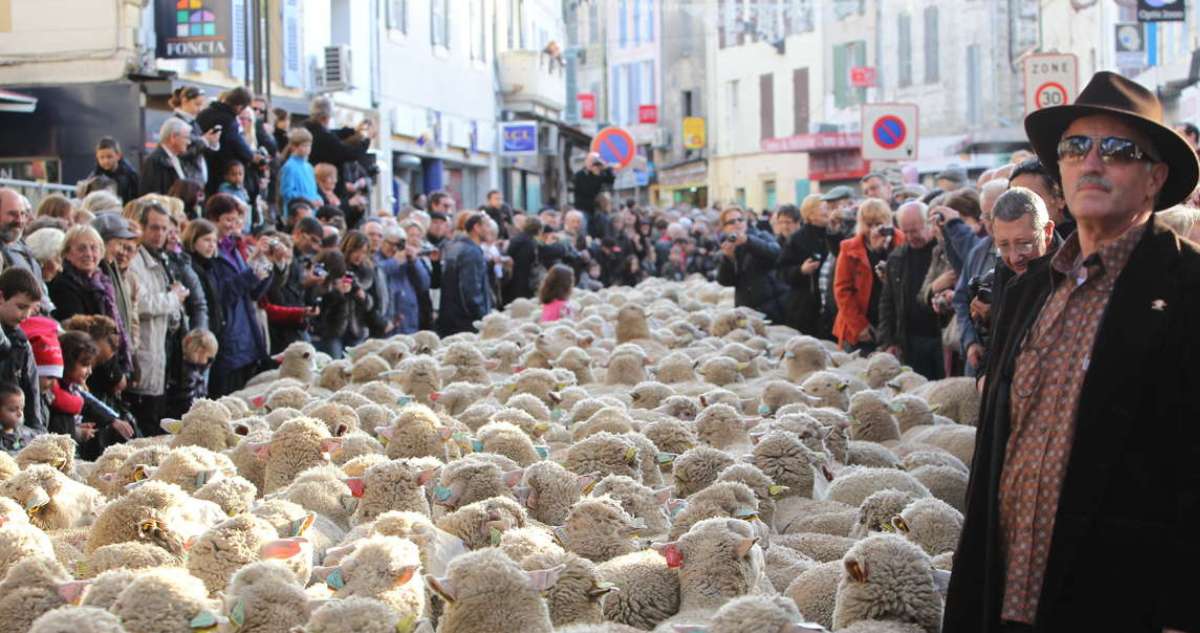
(904, 43)
(237, 61)
(766, 105)
(800, 102)
(292, 75)
(931, 45)
(650, 20)
(841, 95)
(637, 22)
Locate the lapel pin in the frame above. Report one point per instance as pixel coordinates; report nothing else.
(1158, 305)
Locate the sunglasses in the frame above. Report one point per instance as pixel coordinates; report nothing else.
(734, 221)
(1112, 149)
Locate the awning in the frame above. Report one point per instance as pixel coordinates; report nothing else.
(16, 102)
(992, 141)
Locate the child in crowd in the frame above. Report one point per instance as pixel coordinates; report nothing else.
(199, 350)
(93, 424)
(234, 184)
(297, 180)
(19, 294)
(111, 164)
(14, 435)
(107, 381)
(554, 292)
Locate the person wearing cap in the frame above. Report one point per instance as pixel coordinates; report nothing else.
(120, 244)
(951, 178)
(1085, 494)
(838, 198)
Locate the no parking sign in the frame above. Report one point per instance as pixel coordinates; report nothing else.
(1050, 80)
(615, 147)
(889, 131)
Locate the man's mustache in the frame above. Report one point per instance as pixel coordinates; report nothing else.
(1093, 179)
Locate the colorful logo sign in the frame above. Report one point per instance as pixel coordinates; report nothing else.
(587, 105)
(192, 29)
(693, 133)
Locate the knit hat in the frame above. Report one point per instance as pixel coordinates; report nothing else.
(43, 338)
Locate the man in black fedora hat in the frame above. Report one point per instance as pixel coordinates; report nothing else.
(1085, 484)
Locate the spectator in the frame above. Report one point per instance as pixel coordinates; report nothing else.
(200, 347)
(73, 411)
(164, 165)
(1187, 131)
(264, 136)
(876, 185)
(406, 275)
(297, 180)
(600, 220)
(963, 229)
(56, 205)
(1024, 233)
(15, 213)
(500, 213)
(14, 434)
(200, 243)
(1031, 174)
(327, 180)
(439, 229)
(979, 262)
(527, 269)
(111, 163)
(441, 202)
(187, 102)
(857, 285)
(805, 251)
(589, 182)
(465, 297)
(19, 295)
(111, 293)
(555, 291)
(291, 288)
(908, 327)
(223, 115)
(431, 258)
(951, 178)
(281, 128)
(420, 201)
(46, 247)
(240, 275)
(370, 309)
(747, 264)
(326, 146)
(234, 181)
(191, 193)
(333, 299)
(373, 230)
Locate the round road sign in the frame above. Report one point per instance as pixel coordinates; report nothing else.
(615, 147)
(889, 131)
(1050, 94)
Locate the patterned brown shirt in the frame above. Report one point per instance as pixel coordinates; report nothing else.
(1048, 379)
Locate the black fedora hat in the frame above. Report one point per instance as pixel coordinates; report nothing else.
(1112, 94)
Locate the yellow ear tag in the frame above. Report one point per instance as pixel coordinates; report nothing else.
(775, 490)
(631, 455)
(407, 624)
(495, 535)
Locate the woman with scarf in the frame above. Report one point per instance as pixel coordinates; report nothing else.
(240, 274)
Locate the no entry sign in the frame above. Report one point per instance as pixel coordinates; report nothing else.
(889, 131)
(615, 147)
(1050, 80)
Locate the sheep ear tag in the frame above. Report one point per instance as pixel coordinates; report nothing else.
(477, 445)
(941, 580)
(356, 486)
(237, 614)
(171, 425)
(494, 536)
(764, 409)
(404, 400)
(205, 622)
(556, 414)
(407, 624)
(300, 526)
(631, 455)
(72, 591)
(542, 451)
(442, 493)
(543, 579)
(775, 490)
(670, 551)
(258, 402)
(335, 580)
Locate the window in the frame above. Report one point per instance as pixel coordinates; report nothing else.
(799, 16)
(649, 88)
(686, 103)
(740, 195)
(974, 84)
(846, 56)
(800, 101)
(617, 103)
(650, 20)
(478, 31)
(843, 9)
(594, 22)
(622, 24)
(397, 15)
(439, 33)
(634, 93)
(766, 106)
(904, 48)
(637, 22)
(931, 45)
(769, 198)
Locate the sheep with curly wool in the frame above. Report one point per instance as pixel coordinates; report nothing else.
(947, 483)
(803, 356)
(547, 490)
(52, 500)
(956, 439)
(887, 577)
(292, 521)
(154, 512)
(31, 587)
(418, 376)
(288, 397)
(956, 398)
(910, 411)
(815, 590)
(416, 431)
(721, 370)
(932, 457)
(578, 361)
(718, 559)
(671, 435)
(828, 388)
(479, 581)
(72, 619)
(509, 440)
(649, 394)
(297, 445)
(128, 555)
(626, 366)
(353, 615)
(540, 383)
(470, 479)
(265, 597)
(932, 524)
(726, 499)
(233, 494)
(225, 548)
(520, 543)
(578, 595)
(680, 407)
(57, 451)
(784, 564)
(335, 375)
(190, 467)
(9, 466)
(876, 511)
(19, 541)
(753, 614)
(339, 418)
(324, 490)
(384, 568)
(695, 469)
(675, 368)
(721, 426)
(788, 462)
(483, 523)
(637, 499)
(765, 489)
(599, 529)
(394, 485)
(871, 419)
(870, 454)
(605, 454)
(12, 512)
(854, 484)
(882, 367)
(377, 392)
(646, 589)
(206, 424)
(349, 398)
(164, 600)
(367, 368)
(455, 397)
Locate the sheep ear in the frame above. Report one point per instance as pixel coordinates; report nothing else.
(554, 397)
(349, 503)
(900, 524)
(601, 589)
(513, 477)
(842, 386)
(331, 445)
(241, 429)
(543, 579)
(856, 570)
(282, 549)
(356, 485)
(744, 546)
(262, 450)
(941, 580)
(445, 433)
(405, 574)
(72, 591)
(386, 432)
(258, 402)
(662, 495)
(426, 476)
(171, 425)
(587, 483)
(442, 586)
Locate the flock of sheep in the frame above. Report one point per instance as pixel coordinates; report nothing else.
(663, 462)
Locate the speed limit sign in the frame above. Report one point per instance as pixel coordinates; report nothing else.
(1050, 80)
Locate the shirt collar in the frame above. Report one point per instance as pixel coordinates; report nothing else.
(1111, 256)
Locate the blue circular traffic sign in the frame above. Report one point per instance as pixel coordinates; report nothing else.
(889, 131)
(615, 146)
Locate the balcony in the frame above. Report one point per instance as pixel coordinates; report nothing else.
(533, 81)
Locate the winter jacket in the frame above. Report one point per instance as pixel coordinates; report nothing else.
(899, 297)
(852, 285)
(12, 443)
(287, 290)
(158, 174)
(73, 295)
(328, 148)
(239, 288)
(523, 249)
(803, 310)
(17, 255)
(17, 366)
(981, 259)
(369, 317)
(124, 175)
(587, 187)
(465, 296)
(406, 281)
(751, 272)
(296, 180)
(161, 316)
(233, 144)
(196, 305)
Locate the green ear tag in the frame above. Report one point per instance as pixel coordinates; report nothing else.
(665, 458)
(775, 490)
(407, 624)
(403, 400)
(237, 615)
(477, 446)
(542, 451)
(335, 580)
(204, 621)
(495, 536)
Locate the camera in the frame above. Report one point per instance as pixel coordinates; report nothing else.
(887, 231)
(980, 286)
(426, 250)
(732, 237)
(319, 270)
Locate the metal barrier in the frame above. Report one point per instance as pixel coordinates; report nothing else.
(35, 191)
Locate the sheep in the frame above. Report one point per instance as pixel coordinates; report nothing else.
(521, 543)
(353, 615)
(721, 370)
(335, 375)
(881, 368)
(286, 398)
(671, 436)
(784, 564)
(52, 500)
(507, 439)
(853, 485)
(30, 588)
(532, 405)
(233, 494)
(728, 499)
(911, 411)
(675, 368)
(157, 513)
(815, 545)
(246, 458)
(190, 467)
(392, 485)
(165, 600)
(649, 394)
(870, 418)
(455, 397)
(646, 589)
(955, 398)
(102, 591)
(752, 613)
(788, 462)
(381, 567)
(606, 454)
(437, 547)
(680, 407)
(470, 479)
(578, 595)
(649, 458)
(206, 424)
(418, 376)
(611, 419)
(298, 361)
(548, 491)
(225, 548)
(128, 555)
(876, 511)
(815, 590)
(626, 368)
(944, 482)
(377, 392)
(764, 488)
(828, 388)
(339, 418)
(887, 577)
(638, 500)
(265, 597)
(295, 446)
(9, 466)
(697, 468)
(540, 383)
(291, 521)
(872, 454)
(57, 451)
(778, 393)
(478, 582)
(718, 559)
(12, 512)
(803, 356)
(599, 529)
(482, 523)
(721, 426)
(931, 523)
(932, 457)
(956, 439)
(577, 361)
(71, 619)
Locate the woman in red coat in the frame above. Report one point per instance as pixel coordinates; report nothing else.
(856, 287)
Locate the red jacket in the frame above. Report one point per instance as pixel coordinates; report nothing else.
(852, 284)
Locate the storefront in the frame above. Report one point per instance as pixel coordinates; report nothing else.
(684, 185)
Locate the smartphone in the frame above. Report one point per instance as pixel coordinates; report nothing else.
(319, 270)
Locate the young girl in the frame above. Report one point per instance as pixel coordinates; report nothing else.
(96, 425)
(554, 292)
